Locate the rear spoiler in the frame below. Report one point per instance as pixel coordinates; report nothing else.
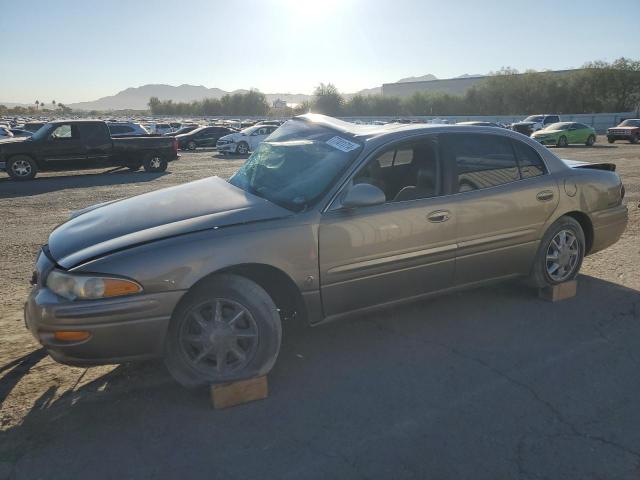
(611, 167)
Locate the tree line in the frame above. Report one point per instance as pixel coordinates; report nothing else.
(249, 103)
(40, 107)
(595, 88)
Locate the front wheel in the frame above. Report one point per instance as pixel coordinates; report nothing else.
(590, 141)
(560, 253)
(562, 141)
(611, 140)
(242, 148)
(22, 167)
(634, 138)
(191, 145)
(155, 163)
(226, 329)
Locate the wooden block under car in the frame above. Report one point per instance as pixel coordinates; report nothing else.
(236, 393)
(559, 292)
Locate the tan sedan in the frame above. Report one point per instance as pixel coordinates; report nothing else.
(325, 219)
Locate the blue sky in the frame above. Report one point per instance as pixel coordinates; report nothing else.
(69, 51)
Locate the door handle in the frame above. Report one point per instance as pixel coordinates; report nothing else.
(438, 216)
(545, 195)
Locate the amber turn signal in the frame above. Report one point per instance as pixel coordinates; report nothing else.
(70, 336)
(114, 287)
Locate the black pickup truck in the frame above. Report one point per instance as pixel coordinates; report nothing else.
(83, 144)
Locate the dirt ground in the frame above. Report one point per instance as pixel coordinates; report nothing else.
(572, 367)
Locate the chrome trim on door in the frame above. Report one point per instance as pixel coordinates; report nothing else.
(394, 258)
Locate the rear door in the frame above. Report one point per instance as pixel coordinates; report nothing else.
(98, 144)
(64, 149)
(398, 250)
(504, 197)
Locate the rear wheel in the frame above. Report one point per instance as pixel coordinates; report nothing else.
(590, 141)
(155, 163)
(227, 329)
(560, 254)
(562, 141)
(21, 167)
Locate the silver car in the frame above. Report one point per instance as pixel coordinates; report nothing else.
(325, 219)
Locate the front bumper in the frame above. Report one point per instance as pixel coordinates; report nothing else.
(121, 329)
(546, 141)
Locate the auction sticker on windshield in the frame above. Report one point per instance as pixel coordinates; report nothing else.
(342, 144)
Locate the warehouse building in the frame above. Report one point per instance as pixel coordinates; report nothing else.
(453, 86)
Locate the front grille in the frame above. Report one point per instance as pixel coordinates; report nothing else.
(524, 129)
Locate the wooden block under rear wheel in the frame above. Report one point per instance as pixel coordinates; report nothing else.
(236, 393)
(562, 291)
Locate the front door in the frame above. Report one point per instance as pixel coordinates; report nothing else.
(504, 199)
(397, 250)
(64, 149)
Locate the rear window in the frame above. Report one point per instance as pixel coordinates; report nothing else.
(531, 165)
(481, 161)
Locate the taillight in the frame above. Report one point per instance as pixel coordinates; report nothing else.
(622, 192)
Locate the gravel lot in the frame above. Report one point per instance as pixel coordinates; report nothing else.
(490, 383)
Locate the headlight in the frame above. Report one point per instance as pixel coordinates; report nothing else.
(89, 287)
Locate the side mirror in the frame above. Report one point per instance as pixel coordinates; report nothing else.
(363, 195)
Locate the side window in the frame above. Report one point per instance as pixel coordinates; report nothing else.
(531, 165)
(551, 119)
(409, 171)
(481, 160)
(94, 133)
(61, 132)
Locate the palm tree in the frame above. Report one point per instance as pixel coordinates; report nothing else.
(53, 102)
(37, 103)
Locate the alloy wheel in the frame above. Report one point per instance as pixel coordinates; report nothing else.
(219, 335)
(155, 162)
(563, 255)
(21, 168)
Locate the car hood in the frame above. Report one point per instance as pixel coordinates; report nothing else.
(630, 127)
(205, 204)
(540, 133)
(233, 136)
(525, 123)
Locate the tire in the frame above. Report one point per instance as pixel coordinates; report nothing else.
(540, 272)
(242, 148)
(611, 140)
(634, 138)
(22, 167)
(192, 356)
(192, 145)
(155, 163)
(590, 141)
(562, 141)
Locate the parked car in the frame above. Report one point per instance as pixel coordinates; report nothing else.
(627, 130)
(326, 219)
(202, 137)
(182, 130)
(562, 134)
(82, 144)
(533, 123)
(159, 128)
(5, 132)
(33, 126)
(126, 129)
(18, 132)
(246, 140)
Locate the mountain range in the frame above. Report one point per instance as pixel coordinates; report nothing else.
(136, 98)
